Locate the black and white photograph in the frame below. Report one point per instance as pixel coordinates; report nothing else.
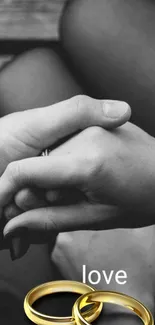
(77, 161)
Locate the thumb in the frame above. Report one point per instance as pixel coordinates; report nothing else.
(116, 113)
(42, 127)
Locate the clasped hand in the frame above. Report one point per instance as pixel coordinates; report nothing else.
(101, 177)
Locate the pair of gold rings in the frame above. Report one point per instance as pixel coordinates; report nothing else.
(89, 297)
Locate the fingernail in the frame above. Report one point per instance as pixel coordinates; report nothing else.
(15, 233)
(115, 109)
(18, 243)
(15, 248)
(18, 247)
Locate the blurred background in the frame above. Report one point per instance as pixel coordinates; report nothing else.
(27, 23)
(29, 18)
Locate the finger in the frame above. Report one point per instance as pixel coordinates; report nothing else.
(66, 218)
(64, 196)
(47, 172)
(58, 196)
(41, 225)
(11, 211)
(28, 199)
(25, 200)
(45, 126)
(18, 245)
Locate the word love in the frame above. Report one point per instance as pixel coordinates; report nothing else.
(95, 277)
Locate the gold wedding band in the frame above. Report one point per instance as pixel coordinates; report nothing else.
(113, 298)
(54, 287)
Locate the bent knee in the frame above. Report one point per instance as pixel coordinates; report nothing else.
(100, 22)
(85, 30)
(104, 40)
(34, 79)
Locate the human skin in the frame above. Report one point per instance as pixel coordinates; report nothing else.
(143, 258)
(30, 90)
(128, 236)
(17, 278)
(55, 73)
(101, 165)
(111, 46)
(111, 250)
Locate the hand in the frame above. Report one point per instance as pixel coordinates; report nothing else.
(131, 250)
(112, 171)
(26, 134)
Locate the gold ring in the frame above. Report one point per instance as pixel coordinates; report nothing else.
(54, 287)
(113, 298)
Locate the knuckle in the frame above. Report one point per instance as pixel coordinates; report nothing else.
(91, 163)
(7, 213)
(94, 165)
(82, 103)
(87, 109)
(23, 199)
(94, 135)
(96, 132)
(96, 162)
(50, 223)
(64, 240)
(74, 171)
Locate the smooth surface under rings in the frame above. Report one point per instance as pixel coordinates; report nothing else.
(113, 298)
(54, 287)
